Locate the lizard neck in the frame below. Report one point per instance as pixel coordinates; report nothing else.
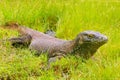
(84, 50)
(71, 45)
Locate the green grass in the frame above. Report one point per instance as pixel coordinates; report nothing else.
(69, 17)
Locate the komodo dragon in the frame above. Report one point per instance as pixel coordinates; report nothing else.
(85, 43)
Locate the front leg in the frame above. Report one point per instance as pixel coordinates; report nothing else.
(54, 57)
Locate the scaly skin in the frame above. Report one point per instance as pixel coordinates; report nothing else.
(85, 43)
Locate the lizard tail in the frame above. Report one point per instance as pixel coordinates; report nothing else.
(14, 26)
(11, 25)
(21, 29)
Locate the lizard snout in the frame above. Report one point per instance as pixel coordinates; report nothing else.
(103, 38)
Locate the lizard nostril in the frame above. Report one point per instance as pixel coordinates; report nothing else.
(104, 38)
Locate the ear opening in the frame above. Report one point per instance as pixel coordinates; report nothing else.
(79, 39)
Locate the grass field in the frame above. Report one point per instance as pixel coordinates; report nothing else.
(69, 17)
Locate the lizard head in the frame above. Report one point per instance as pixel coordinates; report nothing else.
(88, 42)
(93, 38)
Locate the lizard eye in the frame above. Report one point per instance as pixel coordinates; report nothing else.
(90, 36)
